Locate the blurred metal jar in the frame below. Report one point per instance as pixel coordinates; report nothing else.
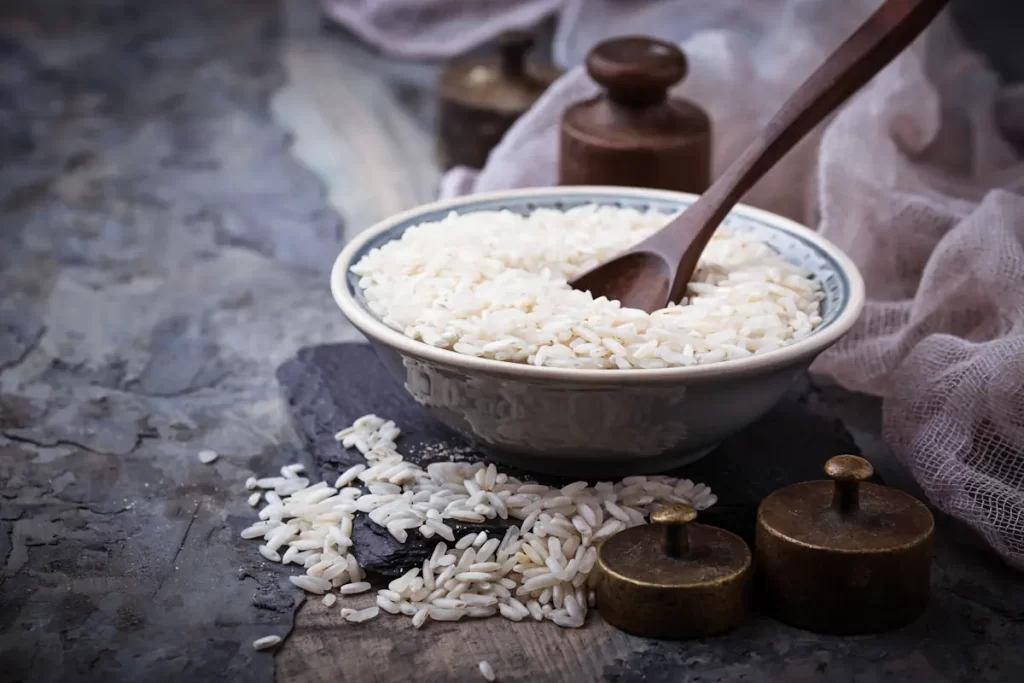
(480, 100)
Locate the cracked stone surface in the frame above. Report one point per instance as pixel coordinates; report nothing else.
(20, 329)
(162, 254)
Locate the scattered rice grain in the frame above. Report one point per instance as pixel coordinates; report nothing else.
(266, 643)
(354, 588)
(547, 558)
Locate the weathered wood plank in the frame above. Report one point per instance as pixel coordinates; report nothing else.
(324, 649)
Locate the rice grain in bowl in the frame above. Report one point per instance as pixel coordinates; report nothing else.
(494, 284)
(472, 313)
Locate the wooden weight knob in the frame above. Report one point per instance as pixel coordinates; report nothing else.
(512, 48)
(636, 71)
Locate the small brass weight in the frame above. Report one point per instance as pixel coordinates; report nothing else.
(673, 578)
(844, 556)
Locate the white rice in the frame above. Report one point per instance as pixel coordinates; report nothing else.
(354, 588)
(361, 615)
(540, 569)
(494, 285)
(486, 670)
(266, 642)
(206, 457)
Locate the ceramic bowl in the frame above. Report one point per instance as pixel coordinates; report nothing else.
(600, 422)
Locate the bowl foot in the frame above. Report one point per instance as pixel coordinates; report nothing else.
(606, 468)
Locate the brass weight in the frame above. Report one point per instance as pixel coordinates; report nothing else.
(673, 578)
(844, 556)
(479, 100)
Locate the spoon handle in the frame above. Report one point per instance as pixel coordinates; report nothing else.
(877, 42)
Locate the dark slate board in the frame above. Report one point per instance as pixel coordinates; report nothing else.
(327, 387)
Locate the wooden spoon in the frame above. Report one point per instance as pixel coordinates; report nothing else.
(656, 271)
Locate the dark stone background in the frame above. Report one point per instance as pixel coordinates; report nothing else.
(160, 255)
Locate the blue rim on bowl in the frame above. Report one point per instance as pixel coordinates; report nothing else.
(842, 283)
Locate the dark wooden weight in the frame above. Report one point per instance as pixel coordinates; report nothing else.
(633, 134)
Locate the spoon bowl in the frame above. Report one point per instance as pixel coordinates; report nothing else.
(639, 279)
